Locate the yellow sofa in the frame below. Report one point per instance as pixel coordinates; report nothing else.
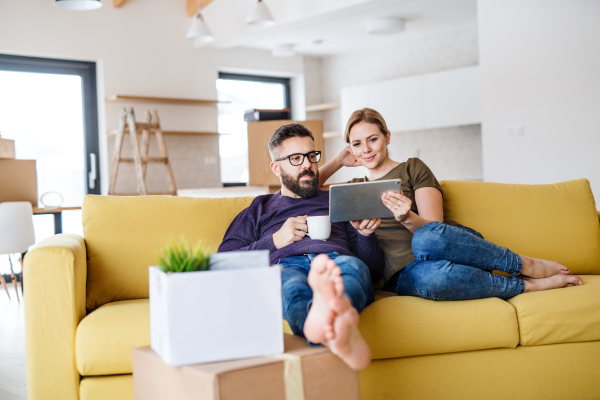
(87, 301)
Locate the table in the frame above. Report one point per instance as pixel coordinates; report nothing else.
(57, 212)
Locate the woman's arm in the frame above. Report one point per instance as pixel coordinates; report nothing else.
(429, 204)
(344, 159)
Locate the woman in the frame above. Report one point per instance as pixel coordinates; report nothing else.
(425, 256)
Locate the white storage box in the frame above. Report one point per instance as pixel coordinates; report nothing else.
(221, 314)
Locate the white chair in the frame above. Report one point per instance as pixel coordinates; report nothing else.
(16, 233)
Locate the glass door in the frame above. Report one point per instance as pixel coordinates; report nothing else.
(49, 108)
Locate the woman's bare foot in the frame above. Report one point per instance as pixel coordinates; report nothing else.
(349, 344)
(538, 268)
(552, 282)
(324, 279)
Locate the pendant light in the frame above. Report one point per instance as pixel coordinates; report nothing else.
(199, 30)
(81, 5)
(260, 15)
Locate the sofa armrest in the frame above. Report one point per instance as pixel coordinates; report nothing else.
(55, 273)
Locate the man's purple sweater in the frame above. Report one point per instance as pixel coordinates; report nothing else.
(254, 227)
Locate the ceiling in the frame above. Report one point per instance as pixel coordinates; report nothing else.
(323, 27)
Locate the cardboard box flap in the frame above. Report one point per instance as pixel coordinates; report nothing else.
(219, 368)
(215, 369)
(298, 346)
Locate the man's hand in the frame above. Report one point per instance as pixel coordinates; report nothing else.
(346, 158)
(293, 230)
(366, 226)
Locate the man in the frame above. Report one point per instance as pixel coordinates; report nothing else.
(325, 284)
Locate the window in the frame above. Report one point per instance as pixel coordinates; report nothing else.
(244, 92)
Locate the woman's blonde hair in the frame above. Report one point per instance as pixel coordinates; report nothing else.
(365, 115)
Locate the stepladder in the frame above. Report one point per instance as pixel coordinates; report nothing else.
(140, 152)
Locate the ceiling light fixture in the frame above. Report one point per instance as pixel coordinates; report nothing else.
(385, 26)
(81, 5)
(260, 15)
(199, 31)
(284, 50)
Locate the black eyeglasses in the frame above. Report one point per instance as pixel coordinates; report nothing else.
(298, 158)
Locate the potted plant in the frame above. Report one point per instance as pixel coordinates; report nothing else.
(208, 307)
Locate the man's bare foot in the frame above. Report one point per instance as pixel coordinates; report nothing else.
(552, 282)
(324, 279)
(349, 344)
(338, 304)
(538, 268)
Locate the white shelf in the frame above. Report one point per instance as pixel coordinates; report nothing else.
(174, 133)
(322, 107)
(165, 100)
(332, 134)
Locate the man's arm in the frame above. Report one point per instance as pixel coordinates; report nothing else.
(242, 235)
(367, 249)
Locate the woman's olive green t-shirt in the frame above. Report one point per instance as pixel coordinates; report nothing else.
(394, 238)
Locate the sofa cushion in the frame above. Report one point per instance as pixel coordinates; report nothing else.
(567, 315)
(106, 336)
(556, 222)
(403, 326)
(123, 236)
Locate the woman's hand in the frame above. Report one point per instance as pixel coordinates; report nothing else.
(398, 203)
(346, 158)
(366, 226)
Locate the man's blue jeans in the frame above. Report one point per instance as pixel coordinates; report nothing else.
(297, 295)
(456, 263)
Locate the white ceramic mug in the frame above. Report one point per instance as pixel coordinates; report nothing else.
(319, 228)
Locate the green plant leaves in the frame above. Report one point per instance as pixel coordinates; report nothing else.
(181, 257)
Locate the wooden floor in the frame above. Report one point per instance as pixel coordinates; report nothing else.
(13, 375)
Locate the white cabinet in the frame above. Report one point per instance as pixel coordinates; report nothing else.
(442, 99)
(451, 98)
(353, 98)
(400, 102)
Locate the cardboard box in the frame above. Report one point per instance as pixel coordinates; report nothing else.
(18, 181)
(225, 313)
(259, 160)
(322, 376)
(7, 148)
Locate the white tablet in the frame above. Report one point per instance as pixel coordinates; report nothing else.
(362, 200)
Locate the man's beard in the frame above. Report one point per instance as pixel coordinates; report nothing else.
(305, 188)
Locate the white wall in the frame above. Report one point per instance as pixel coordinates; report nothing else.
(140, 50)
(540, 63)
(439, 51)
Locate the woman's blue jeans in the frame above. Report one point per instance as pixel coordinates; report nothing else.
(297, 295)
(456, 263)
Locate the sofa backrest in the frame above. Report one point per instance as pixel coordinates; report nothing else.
(557, 221)
(123, 236)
